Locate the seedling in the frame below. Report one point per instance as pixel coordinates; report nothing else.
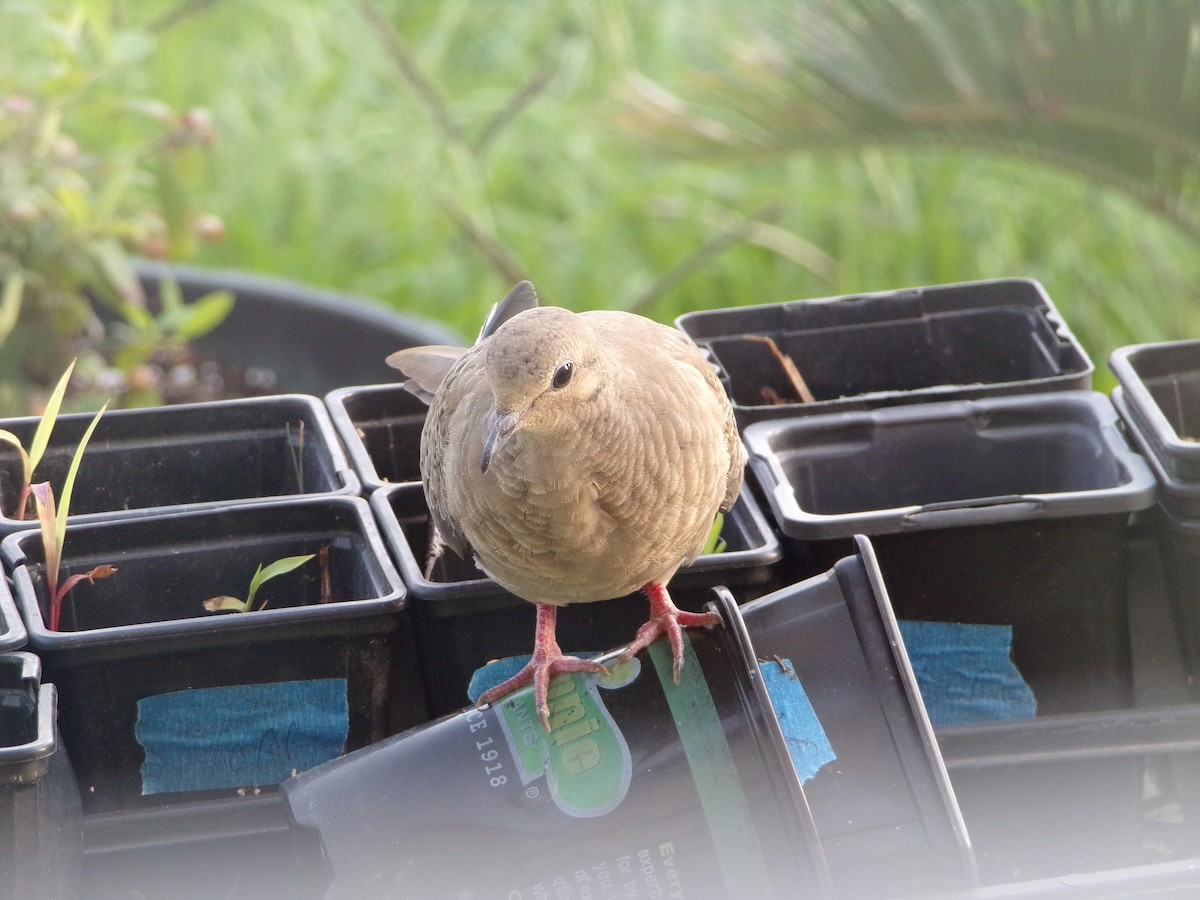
(53, 521)
(41, 439)
(261, 576)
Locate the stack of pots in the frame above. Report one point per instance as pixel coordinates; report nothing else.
(956, 428)
(1159, 399)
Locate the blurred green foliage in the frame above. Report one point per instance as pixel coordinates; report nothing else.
(426, 154)
(75, 200)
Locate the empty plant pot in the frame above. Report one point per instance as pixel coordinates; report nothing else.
(12, 628)
(1161, 389)
(160, 697)
(380, 426)
(1009, 511)
(884, 809)
(195, 455)
(465, 619)
(863, 351)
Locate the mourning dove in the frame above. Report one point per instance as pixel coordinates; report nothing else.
(579, 457)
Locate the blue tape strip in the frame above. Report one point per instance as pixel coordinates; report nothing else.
(240, 736)
(966, 673)
(807, 743)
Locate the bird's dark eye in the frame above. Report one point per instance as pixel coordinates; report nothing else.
(563, 374)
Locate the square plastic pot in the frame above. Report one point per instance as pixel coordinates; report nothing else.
(199, 455)
(380, 426)
(1086, 792)
(12, 628)
(465, 619)
(40, 814)
(1178, 494)
(863, 351)
(1180, 539)
(1009, 511)
(1161, 389)
(884, 809)
(235, 848)
(144, 633)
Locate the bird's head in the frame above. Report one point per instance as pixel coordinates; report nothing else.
(543, 366)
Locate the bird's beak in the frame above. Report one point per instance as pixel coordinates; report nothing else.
(500, 427)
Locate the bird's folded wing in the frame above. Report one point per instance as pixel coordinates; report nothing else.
(425, 367)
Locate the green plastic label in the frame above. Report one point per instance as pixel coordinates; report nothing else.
(584, 758)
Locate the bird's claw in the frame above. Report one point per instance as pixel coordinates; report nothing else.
(670, 621)
(538, 671)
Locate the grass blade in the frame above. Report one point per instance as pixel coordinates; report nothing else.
(41, 437)
(60, 532)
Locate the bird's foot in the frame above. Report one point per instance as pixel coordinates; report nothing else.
(666, 618)
(547, 660)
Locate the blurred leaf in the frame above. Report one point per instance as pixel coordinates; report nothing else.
(1103, 88)
(10, 303)
(173, 200)
(204, 314)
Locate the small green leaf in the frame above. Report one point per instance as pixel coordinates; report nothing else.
(275, 569)
(225, 604)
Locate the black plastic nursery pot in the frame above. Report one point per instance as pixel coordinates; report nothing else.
(309, 341)
(380, 426)
(161, 459)
(641, 788)
(160, 699)
(1160, 386)
(862, 351)
(884, 809)
(12, 628)
(1091, 792)
(40, 814)
(1180, 538)
(1009, 511)
(235, 848)
(1179, 494)
(465, 619)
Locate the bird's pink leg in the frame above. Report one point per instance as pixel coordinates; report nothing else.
(547, 660)
(666, 618)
